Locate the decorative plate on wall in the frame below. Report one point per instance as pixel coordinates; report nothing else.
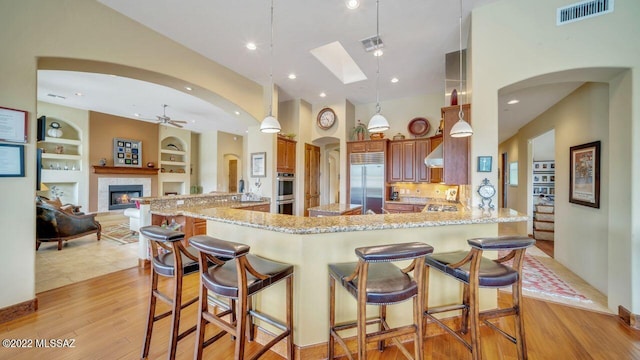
(418, 127)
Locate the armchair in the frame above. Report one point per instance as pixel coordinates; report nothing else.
(55, 224)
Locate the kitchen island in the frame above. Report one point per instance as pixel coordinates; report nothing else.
(311, 243)
(335, 210)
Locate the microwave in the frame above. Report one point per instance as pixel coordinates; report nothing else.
(286, 184)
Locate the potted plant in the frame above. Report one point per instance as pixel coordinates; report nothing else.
(359, 132)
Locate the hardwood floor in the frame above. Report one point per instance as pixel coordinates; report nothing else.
(546, 246)
(105, 317)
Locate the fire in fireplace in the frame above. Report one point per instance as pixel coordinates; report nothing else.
(120, 196)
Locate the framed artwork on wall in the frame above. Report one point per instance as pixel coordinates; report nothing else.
(13, 125)
(484, 163)
(11, 160)
(259, 164)
(584, 174)
(127, 152)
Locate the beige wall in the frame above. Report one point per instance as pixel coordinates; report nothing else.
(229, 147)
(515, 41)
(85, 30)
(581, 117)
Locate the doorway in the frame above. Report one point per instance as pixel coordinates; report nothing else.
(311, 177)
(542, 193)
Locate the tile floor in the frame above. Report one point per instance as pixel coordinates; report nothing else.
(83, 258)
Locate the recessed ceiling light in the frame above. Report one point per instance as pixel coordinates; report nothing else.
(188, 88)
(394, 80)
(353, 4)
(292, 76)
(251, 46)
(512, 102)
(322, 94)
(79, 94)
(237, 112)
(136, 115)
(378, 52)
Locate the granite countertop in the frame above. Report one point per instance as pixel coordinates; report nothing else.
(331, 224)
(173, 211)
(335, 208)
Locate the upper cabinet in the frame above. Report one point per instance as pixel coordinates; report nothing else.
(455, 150)
(367, 146)
(406, 161)
(286, 162)
(435, 174)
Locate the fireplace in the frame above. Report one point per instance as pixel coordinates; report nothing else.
(120, 196)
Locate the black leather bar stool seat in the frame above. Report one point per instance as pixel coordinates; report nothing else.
(375, 280)
(238, 279)
(475, 271)
(169, 258)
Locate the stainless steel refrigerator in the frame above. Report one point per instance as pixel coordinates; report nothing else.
(366, 174)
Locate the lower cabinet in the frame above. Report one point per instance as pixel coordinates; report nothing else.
(403, 208)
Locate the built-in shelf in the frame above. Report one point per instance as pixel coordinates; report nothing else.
(61, 156)
(97, 169)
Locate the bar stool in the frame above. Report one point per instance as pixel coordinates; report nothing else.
(239, 280)
(476, 271)
(165, 245)
(374, 280)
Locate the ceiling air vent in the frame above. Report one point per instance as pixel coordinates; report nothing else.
(372, 43)
(583, 10)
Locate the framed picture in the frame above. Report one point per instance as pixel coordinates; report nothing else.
(584, 174)
(484, 163)
(259, 164)
(127, 153)
(11, 160)
(13, 125)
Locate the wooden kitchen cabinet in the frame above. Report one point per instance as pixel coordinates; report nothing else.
(367, 146)
(406, 161)
(402, 161)
(455, 150)
(402, 208)
(286, 162)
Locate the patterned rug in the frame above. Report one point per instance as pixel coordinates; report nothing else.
(119, 233)
(540, 280)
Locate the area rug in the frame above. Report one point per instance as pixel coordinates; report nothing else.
(540, 280)
(119, 233)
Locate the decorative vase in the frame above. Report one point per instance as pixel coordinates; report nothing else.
(53, 132)
(360, 136)
(102, 162)
(150, 164)
(454, 97)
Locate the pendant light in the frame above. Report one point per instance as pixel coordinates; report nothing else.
(378, 123)
(270, 124)
(461, 128)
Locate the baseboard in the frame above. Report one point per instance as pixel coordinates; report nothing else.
(18, 310)
(144, 263)
(628, 318)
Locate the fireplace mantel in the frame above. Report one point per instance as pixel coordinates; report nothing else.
(124, 170)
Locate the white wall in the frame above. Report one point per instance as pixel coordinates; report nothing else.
(208, 169)
(509, 39)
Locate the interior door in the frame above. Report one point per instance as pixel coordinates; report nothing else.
(311, 177)
(503, 181)
(233, 176)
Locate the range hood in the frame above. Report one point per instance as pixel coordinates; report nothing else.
(435, 159)
(453, 78)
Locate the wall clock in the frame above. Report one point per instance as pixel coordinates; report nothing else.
(486, 192)
(326, 118)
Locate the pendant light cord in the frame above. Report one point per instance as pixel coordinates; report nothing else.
(460, 113)
(271, 65)
(378, 57)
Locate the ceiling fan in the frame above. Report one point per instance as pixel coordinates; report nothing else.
(165, 120)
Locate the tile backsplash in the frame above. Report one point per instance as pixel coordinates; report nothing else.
(431, 191)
